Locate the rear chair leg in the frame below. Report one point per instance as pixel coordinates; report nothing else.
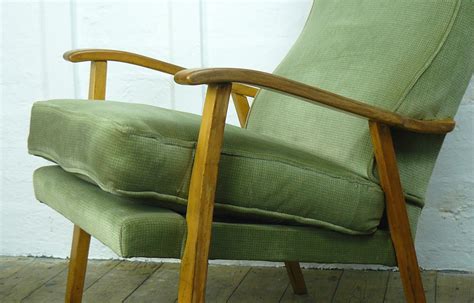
(296, 277)
(77, 265)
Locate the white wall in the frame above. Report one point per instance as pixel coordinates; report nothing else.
(192, 33)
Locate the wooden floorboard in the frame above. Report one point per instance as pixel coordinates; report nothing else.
(43, 280)
(29, 278)
(321, 286)
(222, 281)
(11, 265)
(261, 285)
(394, 292)
(120, 282)
(361, 286)
(161, 286)
(54, 289)
(455, 287)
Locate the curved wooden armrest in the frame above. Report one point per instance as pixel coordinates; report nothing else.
(81, 55)
(313, 95)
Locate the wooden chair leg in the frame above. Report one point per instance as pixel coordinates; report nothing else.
(296, 277)
(77, 265)
(396, 212)
(193, 274)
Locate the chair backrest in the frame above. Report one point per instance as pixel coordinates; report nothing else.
(413, 57)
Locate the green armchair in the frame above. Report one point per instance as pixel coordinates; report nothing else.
(330, 179)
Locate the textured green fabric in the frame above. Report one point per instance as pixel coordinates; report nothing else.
(412, 57)
(127, 227)
(144, 151)
(139, 228)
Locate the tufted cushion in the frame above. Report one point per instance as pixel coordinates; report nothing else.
(144, 151)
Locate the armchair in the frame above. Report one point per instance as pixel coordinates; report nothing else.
(302, 181)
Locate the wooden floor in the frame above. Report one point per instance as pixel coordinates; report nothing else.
(43, 280)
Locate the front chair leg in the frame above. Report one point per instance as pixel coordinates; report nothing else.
(77, 265)
(296, 277)
(193, 275)
(397, 213)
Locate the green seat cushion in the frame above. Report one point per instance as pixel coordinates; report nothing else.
(143, 151)
(412, 57)
(139, 228)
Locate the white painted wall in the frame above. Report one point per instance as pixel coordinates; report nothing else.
(193, 33)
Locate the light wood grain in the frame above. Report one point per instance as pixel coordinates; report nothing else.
(120, 282)
(42, 280)
(103, 55)
(396, 212)
(394, 292)
(82, 55)
(200, 208)
(54, 289)
(321, 286)
(242, 108)
(223, 280)
(22, 283)
(261, 285)
(97, 80)
(11, 265)
(162, 286)
(244, 90)
(311, 94)
(361, 286)
(77, 265)
(455, 287)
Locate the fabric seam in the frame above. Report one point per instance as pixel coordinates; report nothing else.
(225, 151)
(294, 218)
(372, 164)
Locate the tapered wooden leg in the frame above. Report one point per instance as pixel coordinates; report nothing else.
(77, 265)
(296, 277)
(193, 275)
(397, 213)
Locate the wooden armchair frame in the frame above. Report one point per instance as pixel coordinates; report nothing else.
(222, 83)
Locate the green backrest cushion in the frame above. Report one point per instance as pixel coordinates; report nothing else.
(412, 57)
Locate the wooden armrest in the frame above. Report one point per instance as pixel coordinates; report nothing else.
(82, 55)
(313, 95)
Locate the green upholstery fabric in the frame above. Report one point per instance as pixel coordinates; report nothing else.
(412, 57)
(139, 228)
(144, 151)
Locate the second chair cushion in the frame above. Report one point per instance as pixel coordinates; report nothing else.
(145, 151)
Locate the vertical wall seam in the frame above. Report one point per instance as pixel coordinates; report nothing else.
(171, 52)
(44, 71)
(75, 71)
